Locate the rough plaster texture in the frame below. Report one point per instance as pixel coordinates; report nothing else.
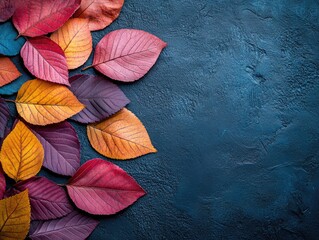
(232, 106)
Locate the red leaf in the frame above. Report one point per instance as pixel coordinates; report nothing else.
(45, 60)
(127, 54)
(39, 17)
(6, 10)
(101, 187)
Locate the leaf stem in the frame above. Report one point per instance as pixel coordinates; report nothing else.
(17, 37)
(83, 69)
(9, 100)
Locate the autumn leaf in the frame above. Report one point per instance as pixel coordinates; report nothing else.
(41, 103)
(15, 217)
(73, 226)
(45, 60)
(100, 13)
(101, 97)
(61, 147)
(48, 200)
(2, 183)
(127, 54)
(101, 187)
(34, 18)
(4, 116)
(8, 71)
(6, 10)
(75, 39)
(122, 136)
(9, 46)
(21, 153)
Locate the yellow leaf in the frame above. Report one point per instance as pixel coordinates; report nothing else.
(21, 153)
(121, 136)
(41, 102)
(8, 71)
(15, 214)
(74, 37)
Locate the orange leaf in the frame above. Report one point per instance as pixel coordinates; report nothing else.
(8, 71)
(100, 13)
(21, 153)
(121, 136)
(75, 39)
(15, 213)
(41, 102)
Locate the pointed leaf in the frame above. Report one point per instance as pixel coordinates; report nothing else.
(127, 54)
(61, 147)
(48, 200)
(41, 103)
(122, 136)
(100, 13)
(15, 217)
(75, 39)
(34, 18)
(2, 183)
(8, 71)
(71, 227)
(4, 116)
(6, 10)
(101, 187)
(101, 98)
(21, 153)
(45, 60)
(9, 46)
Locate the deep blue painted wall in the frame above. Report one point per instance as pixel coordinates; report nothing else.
(232, 106)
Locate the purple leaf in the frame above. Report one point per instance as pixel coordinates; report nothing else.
(47, 199)
(73, 226)
(4, 117)
(2, 183)
(61, 147)
(101, 97)
(6, 10)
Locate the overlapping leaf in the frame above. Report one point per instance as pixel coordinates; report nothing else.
(61, 147)
(75, 39)
(8, 71)
(45, 60)
(100, 13)
(9, 46)
(2, 183)
(34, 18)
(101, 187)
(41, 103)
(71, 227)
(100, 96)
(127, 54)
(48, 200)
(15, 217)
(122, 136)
(21, 153)
(4, 117)
(6, 10)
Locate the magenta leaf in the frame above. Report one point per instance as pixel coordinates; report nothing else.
(101, 187)
(61, 147)
(45, 59)
(6, 10)
(73, 226)
(2, 183)
(4, 117)
(127, 54)
(47, 199)
(101, 97)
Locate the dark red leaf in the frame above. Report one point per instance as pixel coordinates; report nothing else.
(34, 18)
(61, 147)
(101, 187)
(73, 226)
(47, 199)
(45, 60)
(101, 98)
(2, 183)
(4, 116)
(127, 54)
(6, 10)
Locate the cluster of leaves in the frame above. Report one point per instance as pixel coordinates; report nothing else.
(53, 37)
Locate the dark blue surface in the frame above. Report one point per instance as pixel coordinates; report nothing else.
(232, 106)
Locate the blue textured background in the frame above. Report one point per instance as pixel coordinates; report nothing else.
(232, 106)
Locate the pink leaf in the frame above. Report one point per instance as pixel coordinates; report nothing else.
(127, 54)
(45, 60)
(101, 187)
